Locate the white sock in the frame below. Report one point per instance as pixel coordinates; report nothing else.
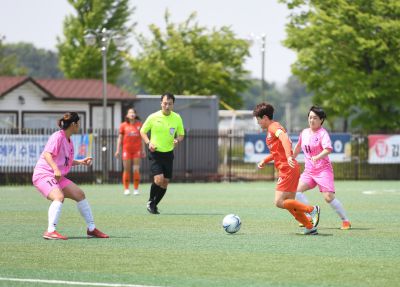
(86, 212)
(300, 196)
(338, 207)
(54, 214)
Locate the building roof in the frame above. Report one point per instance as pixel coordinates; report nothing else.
(64, 89)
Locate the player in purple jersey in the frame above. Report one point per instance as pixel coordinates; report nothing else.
(316, 146)
(49, 178)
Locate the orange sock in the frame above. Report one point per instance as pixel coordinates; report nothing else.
(297, 206)
(302, 218)
(126, 178)
(136, 179)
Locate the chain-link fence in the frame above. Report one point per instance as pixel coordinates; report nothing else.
(204, 155)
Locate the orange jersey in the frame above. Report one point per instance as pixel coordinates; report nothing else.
(132, 141)
(276, 148)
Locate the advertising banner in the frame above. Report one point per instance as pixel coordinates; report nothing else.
(384, 149)
(255, 148)
(24, 150)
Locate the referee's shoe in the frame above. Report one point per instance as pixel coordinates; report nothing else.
(151, 208)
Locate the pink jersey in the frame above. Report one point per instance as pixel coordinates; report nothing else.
(312, 143)
(62, 151)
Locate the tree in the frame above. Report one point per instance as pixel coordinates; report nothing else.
(188, 59)
(77, 60)
(8, 62)
(252, 95)
(348, 56)
(300, 101)
(38, 63)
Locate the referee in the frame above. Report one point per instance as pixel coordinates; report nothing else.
(166, 132)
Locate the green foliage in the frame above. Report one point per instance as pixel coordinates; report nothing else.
(348, 56)
(9, 62)
(252, 96)
(188, 59)
(38, 63)
(77, 60)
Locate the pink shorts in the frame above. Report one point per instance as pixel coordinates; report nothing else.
(324, 180)
(48, 183)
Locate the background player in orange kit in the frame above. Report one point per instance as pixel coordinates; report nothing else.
(132, 150)
(280, 146)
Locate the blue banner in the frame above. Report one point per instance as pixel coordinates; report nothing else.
(255, 148)
(24, 150)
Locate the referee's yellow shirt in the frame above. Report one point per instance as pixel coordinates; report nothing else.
(163, 129)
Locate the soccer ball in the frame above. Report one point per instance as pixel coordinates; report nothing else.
(231, 223)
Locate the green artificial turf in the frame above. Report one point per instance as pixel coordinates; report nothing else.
(186, 246)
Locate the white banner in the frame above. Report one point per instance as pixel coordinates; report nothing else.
(384, 149)
(24, 150)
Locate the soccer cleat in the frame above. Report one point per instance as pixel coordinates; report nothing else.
(136, 192)
(151, 208)
(127, 192)
(346, 225)
(53, 236)
(311, 231)
(96, 233)
(315, 215)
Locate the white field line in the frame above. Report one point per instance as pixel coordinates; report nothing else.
(72, 282)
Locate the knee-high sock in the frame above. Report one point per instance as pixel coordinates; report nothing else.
(338, 207)
(126, 178)
(54, 214)
(136, 179)
(160, 194)
(299, 210)
(153, 192)
(86, 212)
(297, 206)
(302, 218)
(300, 196)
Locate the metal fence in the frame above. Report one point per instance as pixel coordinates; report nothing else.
(204, 155)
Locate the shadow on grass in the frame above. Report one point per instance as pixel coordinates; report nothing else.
(95, 238)
(194, 214)
(314, 235)
(349, 230)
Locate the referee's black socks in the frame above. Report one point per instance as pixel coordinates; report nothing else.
(156, 193)
(160, 194)
(153, 191)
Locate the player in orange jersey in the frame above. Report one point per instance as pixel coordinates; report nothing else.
(280, 147)
(132, 150)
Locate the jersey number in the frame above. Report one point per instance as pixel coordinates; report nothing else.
(52, 182)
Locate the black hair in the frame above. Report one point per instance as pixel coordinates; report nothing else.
(264, 109)
(169, 97)
(67, 120)
(136, 117)
(319, 112)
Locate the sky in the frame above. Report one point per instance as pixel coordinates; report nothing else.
(41, 21)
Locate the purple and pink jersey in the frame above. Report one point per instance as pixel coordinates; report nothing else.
(321, 173)
(62, 151)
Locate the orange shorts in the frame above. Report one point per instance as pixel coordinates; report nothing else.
(126, 154)
(288, 179)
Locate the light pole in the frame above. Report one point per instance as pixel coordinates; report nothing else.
(104, 36)
(261, 40)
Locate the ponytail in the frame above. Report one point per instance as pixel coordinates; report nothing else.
(67, 120)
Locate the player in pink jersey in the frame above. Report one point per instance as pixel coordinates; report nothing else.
(316, 145)
(49, 178)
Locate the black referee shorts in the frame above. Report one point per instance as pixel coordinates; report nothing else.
(161, 163)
